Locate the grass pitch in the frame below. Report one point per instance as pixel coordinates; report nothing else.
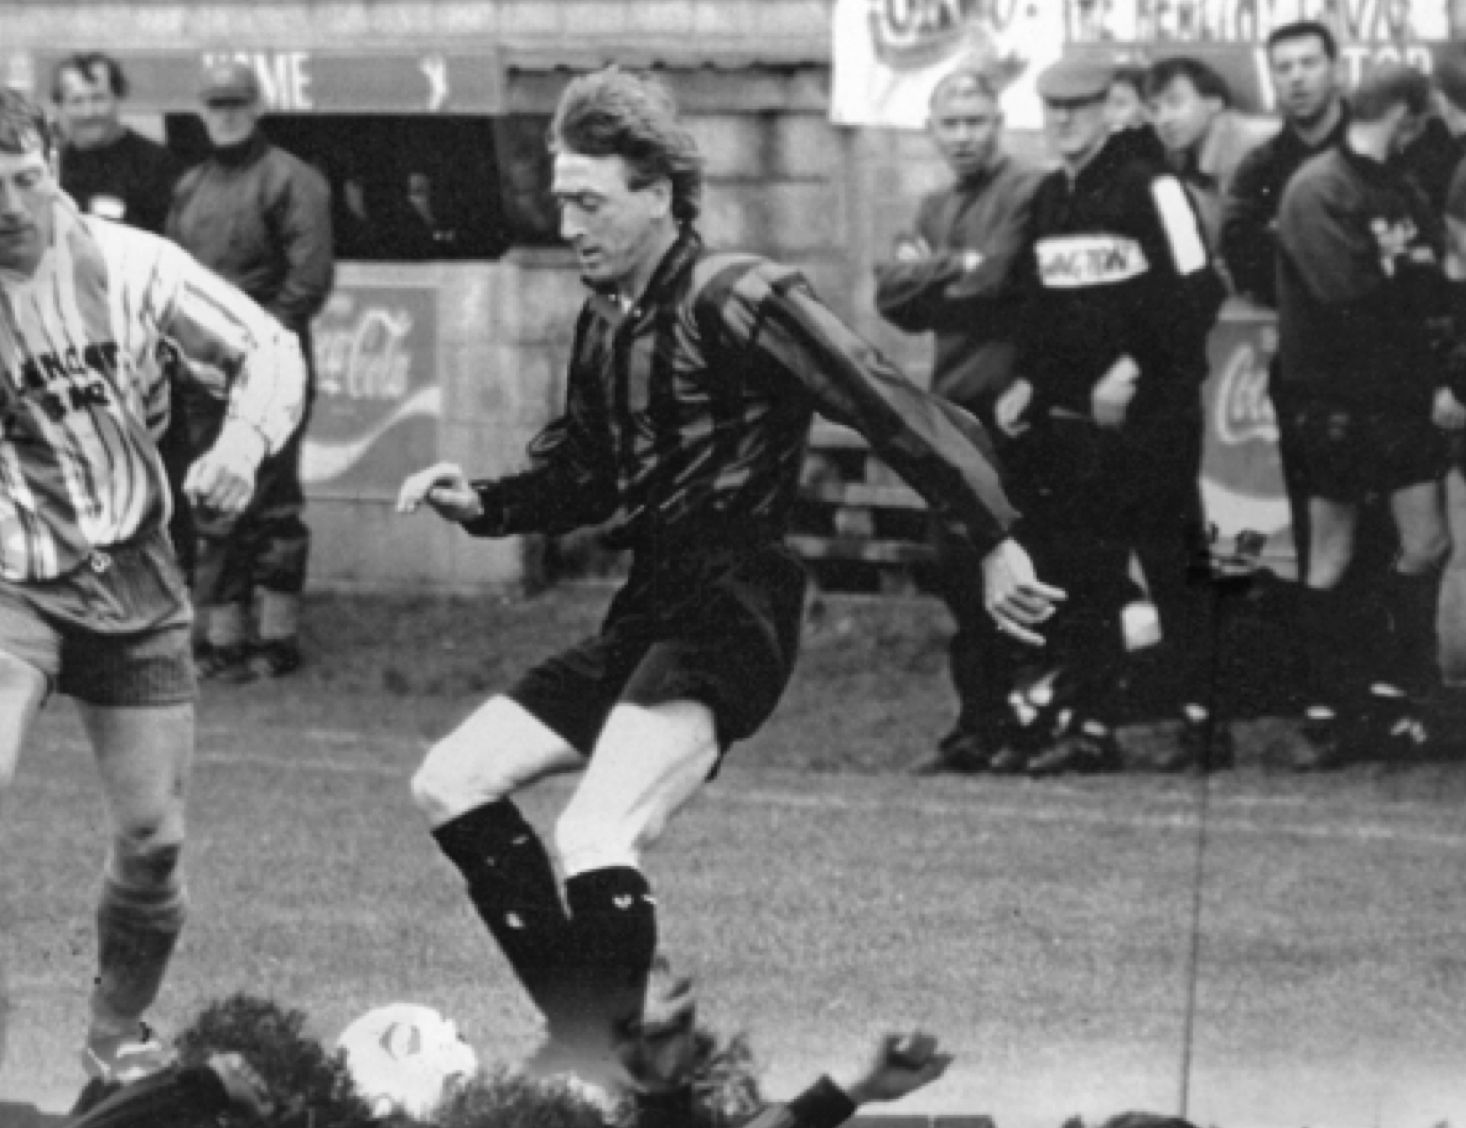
(1043, 929)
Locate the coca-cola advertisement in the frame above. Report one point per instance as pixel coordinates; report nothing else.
(378, 398)
(1242, 479)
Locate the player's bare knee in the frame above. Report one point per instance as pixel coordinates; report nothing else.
(1422, 554)
(454, 777)
(146, 861)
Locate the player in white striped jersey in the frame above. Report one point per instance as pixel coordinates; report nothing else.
(91, 602)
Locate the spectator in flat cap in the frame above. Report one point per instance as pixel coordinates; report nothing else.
(1075, 79)
(1107, 424)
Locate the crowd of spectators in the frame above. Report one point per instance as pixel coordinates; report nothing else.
(1166, 200)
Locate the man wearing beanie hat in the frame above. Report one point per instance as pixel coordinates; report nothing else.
(1121, 295)
(260, 218)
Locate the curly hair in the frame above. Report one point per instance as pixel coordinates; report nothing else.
(23, 124)
(614, 113)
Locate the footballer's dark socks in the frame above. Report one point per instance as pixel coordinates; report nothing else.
(1326, 623)
(1413, 604)
(613, 927)
(512, 886)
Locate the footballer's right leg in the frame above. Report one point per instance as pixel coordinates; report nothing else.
(463, 788)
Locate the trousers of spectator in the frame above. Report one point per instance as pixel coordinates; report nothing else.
(260, 555)
(1090, 498)
(984, 664)
(1452, 621)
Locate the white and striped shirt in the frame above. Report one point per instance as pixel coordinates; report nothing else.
(84, 393)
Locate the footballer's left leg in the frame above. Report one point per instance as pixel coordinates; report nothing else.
(144, 754)
(649, 761)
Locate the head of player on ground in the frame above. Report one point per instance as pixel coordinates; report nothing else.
(627, 174)
(29, 190)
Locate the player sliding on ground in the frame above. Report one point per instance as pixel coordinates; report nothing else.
(692, 386)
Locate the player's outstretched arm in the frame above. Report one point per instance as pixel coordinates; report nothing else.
(897, 1065)
(1014, 596)
(445, 488)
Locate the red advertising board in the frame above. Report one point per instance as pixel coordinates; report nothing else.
(378, 393)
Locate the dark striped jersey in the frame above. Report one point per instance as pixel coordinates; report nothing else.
(688, 415)
(84, 393)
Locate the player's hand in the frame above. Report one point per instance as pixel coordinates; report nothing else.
(1447, 412)
(899, 1064)
(444, 487)
(1015, 598)
(1011, 408)
(1110, 398)
(912, 248)
(246, 1088)
(223, 478)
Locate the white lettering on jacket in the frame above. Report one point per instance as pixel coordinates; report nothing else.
(1067, 262)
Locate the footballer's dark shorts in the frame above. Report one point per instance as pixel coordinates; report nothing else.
(114, 631)
(1345, 452)
(718, 625)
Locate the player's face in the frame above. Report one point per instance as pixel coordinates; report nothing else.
(1304, 79)
(90, 112)
(965, 128)
(1182, 116)
(27, 201)
(1076, 130)
(613, 227)
(230, 121)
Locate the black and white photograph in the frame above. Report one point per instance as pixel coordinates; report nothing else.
(733, 563)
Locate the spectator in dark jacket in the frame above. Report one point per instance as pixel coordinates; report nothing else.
(1303, 61)
(952, 275)
(261, 218)
(1121, 295)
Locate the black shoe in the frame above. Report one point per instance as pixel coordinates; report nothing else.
(1319, 747)
(225, 664)
(959, 753)
(1393, 727)
(1192, 750)
(1089, 748)
(275, 658)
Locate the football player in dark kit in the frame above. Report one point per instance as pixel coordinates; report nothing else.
(693, 381)
(1361, 290)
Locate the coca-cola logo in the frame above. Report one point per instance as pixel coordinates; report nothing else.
(1242, 409)
(364, 353)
